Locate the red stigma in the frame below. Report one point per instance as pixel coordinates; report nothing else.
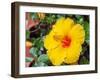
(66, 42)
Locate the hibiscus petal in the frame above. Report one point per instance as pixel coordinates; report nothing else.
(63, 26)
(77, 33)
(57, 55)
(59, 22)
(50, 42)
(67, 25)
(73, 53)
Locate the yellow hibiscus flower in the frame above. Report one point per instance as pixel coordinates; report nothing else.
(64, 41)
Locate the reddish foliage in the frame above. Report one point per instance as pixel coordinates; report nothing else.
(27, 52)
(31, 23)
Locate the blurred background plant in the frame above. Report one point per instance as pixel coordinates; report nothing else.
(38, 25)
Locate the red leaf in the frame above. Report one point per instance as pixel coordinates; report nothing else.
(28, 52)
(31, 23)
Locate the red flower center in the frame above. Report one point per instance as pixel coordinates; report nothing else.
(66, 42)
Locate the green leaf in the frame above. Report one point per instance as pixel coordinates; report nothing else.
(38, 42)
(78, 16)
(28, 59)
(34, 51)
(33, 41)
(84, 60)
(79, 19)
(27, 34)
(40, 52)
(38, 64)
(86, 28)
(50, 20)
(34, 16)
(87, 41)
(43, 58)
(60, 16)
(53, 16)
